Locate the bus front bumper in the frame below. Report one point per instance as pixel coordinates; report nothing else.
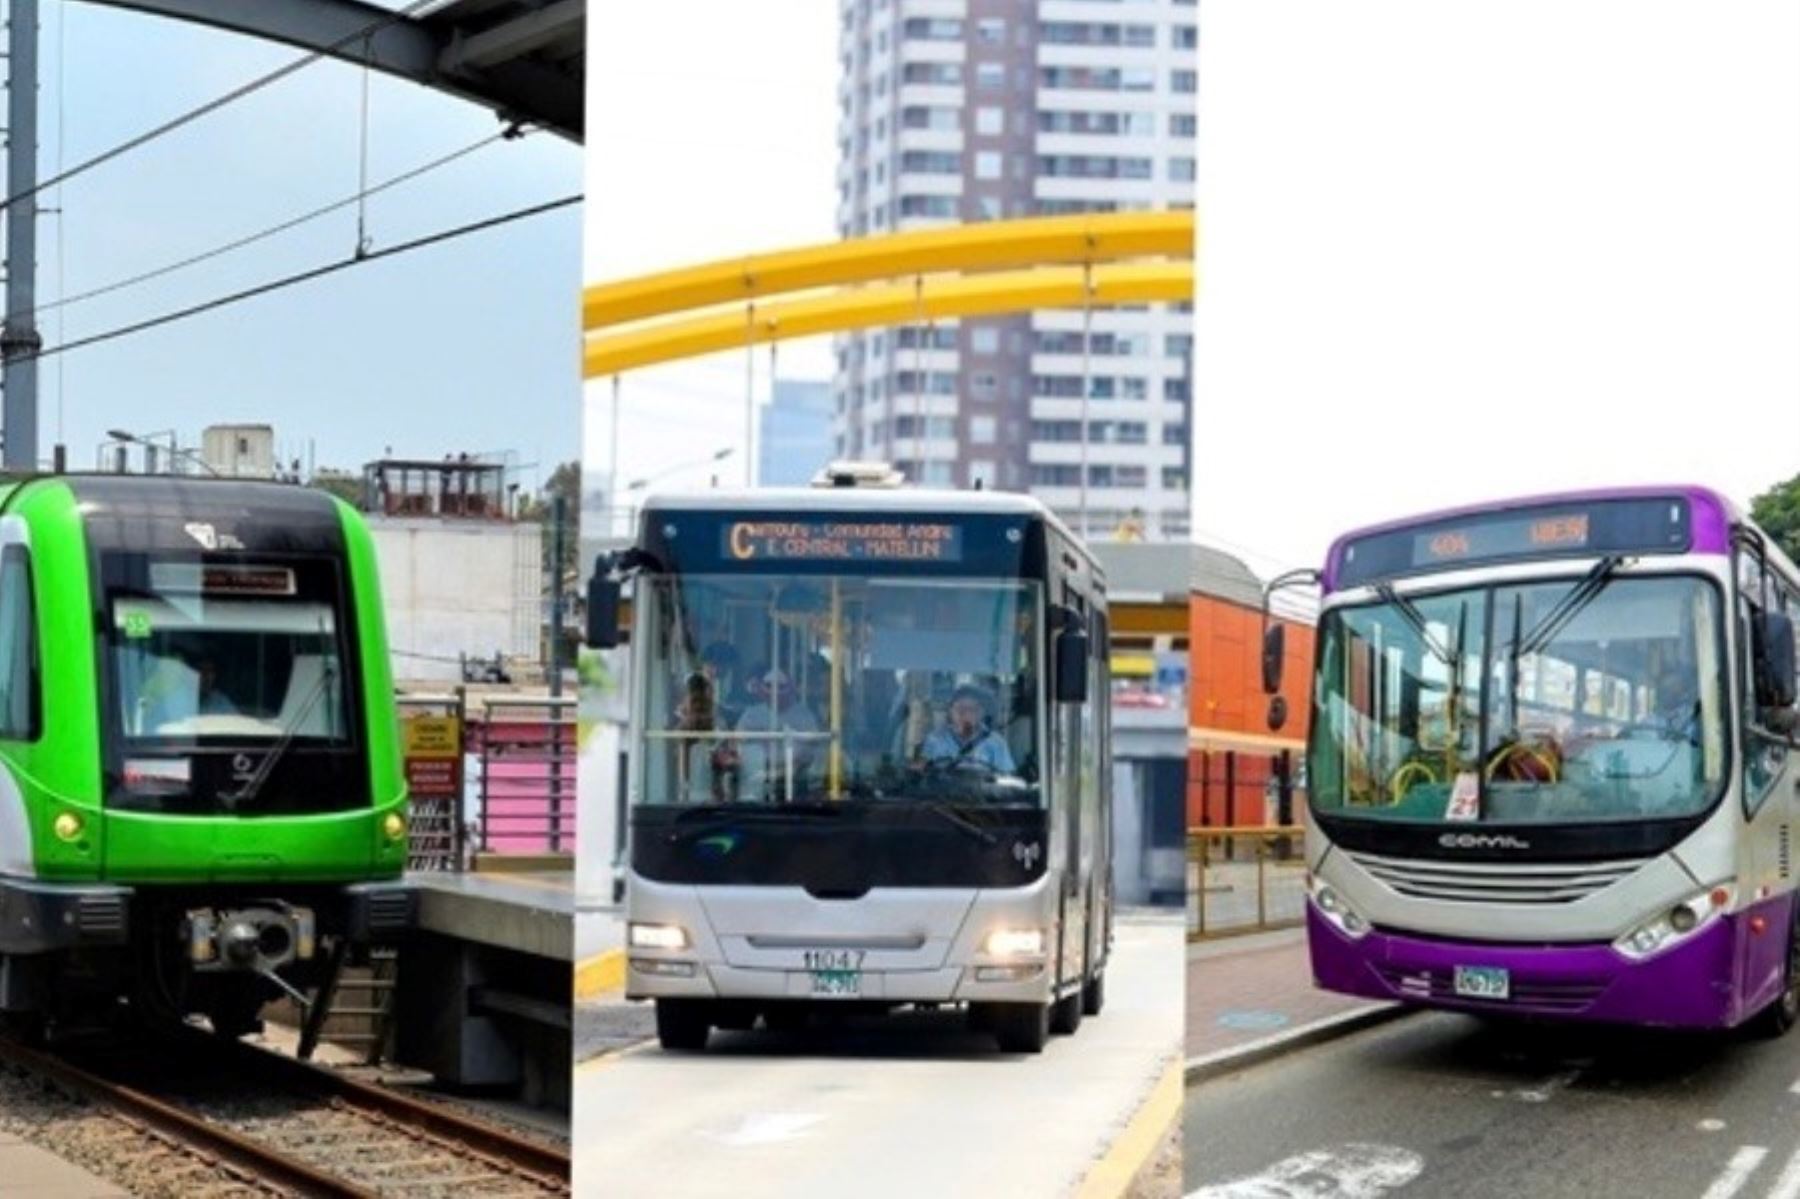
(651, 978)
(1716, 979)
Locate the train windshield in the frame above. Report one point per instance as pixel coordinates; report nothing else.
(227, 653)
(1598, 699)
(773, 689)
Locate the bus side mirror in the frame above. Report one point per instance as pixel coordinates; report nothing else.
(1277, 712)
(1773, 645)
(1071, 666)
(603, 595)
(1273, 651)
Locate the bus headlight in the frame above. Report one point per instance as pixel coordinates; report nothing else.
(657, 936)
(66, 826)
(1675, 924)
(1015, 943)
(1331, 905)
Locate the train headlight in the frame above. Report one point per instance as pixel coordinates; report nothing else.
(393, 826)
(657, 936)
(1675, 924)
(67, 826)
(1015, 943)
(1332, 906)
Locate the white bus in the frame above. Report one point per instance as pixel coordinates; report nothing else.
(869, 760)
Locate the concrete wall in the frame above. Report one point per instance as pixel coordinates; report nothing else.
(458, 587)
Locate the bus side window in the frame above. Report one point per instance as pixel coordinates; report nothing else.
(19, 703)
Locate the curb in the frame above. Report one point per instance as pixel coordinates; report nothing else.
(1111, 1177)
(1226, 1061)
(600, 975)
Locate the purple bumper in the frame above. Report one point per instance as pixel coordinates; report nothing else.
(1720, 978)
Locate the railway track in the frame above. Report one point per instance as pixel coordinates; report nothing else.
(246, 1121)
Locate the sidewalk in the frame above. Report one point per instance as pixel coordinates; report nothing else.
(1241, 990)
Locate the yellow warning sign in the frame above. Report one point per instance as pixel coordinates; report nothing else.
(432, 736)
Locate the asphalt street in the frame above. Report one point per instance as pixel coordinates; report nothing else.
(1440, 1104)
(904, 1105)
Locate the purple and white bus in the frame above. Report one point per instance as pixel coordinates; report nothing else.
(1553, 762)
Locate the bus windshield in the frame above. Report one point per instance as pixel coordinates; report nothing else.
(774, 689)
(1575, 700)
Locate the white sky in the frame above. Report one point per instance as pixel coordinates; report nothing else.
(711, 133)
(1456, 251)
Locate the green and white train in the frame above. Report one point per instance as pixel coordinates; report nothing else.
(201, 790)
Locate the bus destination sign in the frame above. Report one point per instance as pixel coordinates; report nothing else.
(842, 541)
(1559, 531)
(1647, 525)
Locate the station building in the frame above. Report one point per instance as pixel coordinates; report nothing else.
(1235, 762)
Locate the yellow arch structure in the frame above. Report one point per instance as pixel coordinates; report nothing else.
(1083, 261)
(985, 246)
(931, 298)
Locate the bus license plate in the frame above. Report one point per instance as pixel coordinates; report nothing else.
(836, 984)
(1483, 982)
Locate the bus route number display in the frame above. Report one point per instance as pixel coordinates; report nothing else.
(1560, 532)
(842, 541)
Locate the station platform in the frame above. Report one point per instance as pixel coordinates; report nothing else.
(484, 984)
(531, 911)
(29, 1169)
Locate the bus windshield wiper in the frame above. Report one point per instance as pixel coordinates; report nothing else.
(1415, 618)
(1573, 601)
(953, 817)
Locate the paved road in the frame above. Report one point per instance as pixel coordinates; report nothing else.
(907, 1105)
(1442, 1104)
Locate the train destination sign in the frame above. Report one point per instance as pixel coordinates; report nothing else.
(1633, 526)
(843, 540)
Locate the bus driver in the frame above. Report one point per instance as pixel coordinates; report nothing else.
(966, 739)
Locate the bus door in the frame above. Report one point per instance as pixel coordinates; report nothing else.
(1073, 723)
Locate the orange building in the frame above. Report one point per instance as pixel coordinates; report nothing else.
(1234, 760)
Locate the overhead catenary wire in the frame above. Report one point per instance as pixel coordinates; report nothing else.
(215, 104)
(286, 281)
(264, 234)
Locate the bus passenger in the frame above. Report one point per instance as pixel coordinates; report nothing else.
(777, 710)
(966, 740)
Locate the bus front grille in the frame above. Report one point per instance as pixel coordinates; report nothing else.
(1536, 883)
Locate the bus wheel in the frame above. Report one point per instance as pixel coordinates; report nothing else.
(1781, 1015)
(682, 1024)
(1020, 1027)
(1065, 1013)
(1093, 994)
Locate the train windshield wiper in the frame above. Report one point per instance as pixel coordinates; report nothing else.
(254, 784)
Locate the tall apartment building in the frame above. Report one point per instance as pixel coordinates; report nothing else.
(970, 110)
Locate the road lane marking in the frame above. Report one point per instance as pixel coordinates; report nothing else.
(1353, 1171)
(1787, 1183)
(1710, 1125)
(769, 1129)
(1737, 1172)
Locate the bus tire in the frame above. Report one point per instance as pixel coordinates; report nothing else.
(683, 1024)
(1020, 1027)
(1065, 1013)
(1781, 1015)
(1093, 994)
